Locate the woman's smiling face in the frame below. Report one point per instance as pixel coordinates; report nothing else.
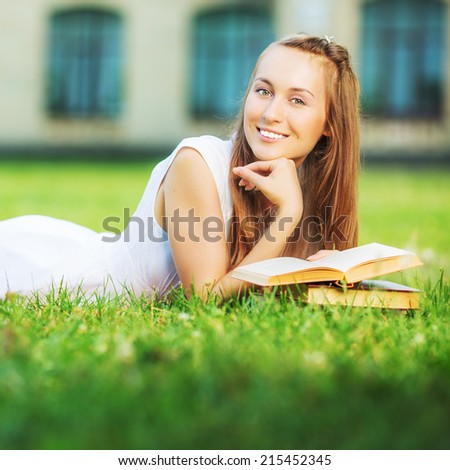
(285, 109)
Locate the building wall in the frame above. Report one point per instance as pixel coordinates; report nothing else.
(156, 76)
(408, 137)
(380, 137)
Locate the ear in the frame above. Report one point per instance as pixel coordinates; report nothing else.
(326, 133)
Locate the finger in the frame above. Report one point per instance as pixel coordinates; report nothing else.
(249, 176)
(267, 167)
(261, 165)
(256, 167)
(247, 185)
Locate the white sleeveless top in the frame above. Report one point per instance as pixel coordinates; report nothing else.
(39, 253)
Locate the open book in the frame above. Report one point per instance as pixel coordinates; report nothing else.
(348, 266)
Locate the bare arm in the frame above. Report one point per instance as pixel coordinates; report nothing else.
(192, 205)
(278, 181)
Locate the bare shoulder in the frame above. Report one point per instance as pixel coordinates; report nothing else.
(189, 180)
(188, 163)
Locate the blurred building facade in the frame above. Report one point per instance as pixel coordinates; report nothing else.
(117, 75)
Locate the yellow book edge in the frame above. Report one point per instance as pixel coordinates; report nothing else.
(374, 294)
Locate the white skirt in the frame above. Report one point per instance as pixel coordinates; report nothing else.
(39, 253)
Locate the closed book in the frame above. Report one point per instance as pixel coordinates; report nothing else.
(371, 293)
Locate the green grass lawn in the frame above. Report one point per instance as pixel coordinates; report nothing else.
(260, 373)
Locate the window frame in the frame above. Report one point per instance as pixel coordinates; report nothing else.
(199, 108)
(62, 101)
(375, 45)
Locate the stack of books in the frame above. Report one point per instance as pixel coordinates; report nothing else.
(342, 278)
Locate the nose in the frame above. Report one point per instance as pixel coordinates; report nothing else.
(273, 111)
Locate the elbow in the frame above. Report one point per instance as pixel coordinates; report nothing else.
(218, 290)
(203, 292)
(208, 291)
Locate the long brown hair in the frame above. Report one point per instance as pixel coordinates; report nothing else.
(328, 176)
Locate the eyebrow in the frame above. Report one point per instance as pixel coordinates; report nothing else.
(261, 79)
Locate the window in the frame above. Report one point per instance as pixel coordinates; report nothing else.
(226, 46)
(402, 53)
(84, 65)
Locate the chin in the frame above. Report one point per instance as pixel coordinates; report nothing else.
(266, 157)
(272, 156)
(267, 154)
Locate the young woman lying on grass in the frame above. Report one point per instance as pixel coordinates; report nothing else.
(284, 184)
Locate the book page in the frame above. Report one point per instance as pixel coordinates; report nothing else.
(355, 256)
(277, 266)
(373, 284)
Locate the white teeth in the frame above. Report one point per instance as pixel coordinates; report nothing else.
(271, 135)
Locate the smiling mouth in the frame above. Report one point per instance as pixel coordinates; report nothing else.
(271, 135)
